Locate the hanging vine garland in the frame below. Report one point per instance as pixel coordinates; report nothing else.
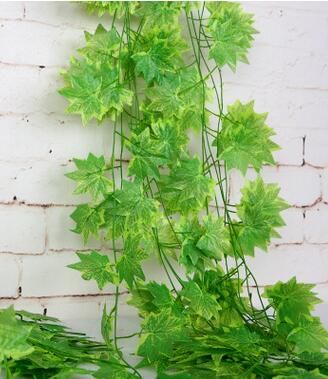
(154, 87)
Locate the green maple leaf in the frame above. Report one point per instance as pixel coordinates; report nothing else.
(13, 336)
(203, 304)
(158, 53)
(309, 335)
(259, 211)
(159, 333)
(88, 221)
(232, 32)
(215, 241)
(298, 373)
(186, 189)
(180, 96)
(90, 176)
(118, 8)
(83, 88)
(130, 212)
(113, 368)
(244, 139)
(95, 266)
(128, 265)
(101, 46)
(291, 300)
(162, 297)
(94, 90)
(145, 159)
(163, 143)
(163, 14)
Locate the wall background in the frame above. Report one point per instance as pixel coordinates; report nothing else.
(288, 77)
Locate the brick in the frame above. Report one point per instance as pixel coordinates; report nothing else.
(30, 39)
(59, 230)
(307, 262)
(49, 137)
(324, 184)
(292, 232)
(48, 275)
(316, 152)
(300, 186)
(291, 146)
(38, 183)
(9, 275)
(30, 89)
(11, 9)
(70, 15)
(22, 229)
(315, 224)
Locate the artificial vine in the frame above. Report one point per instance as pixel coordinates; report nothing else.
(154, 84)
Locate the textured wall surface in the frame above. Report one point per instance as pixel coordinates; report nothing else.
(287, 76)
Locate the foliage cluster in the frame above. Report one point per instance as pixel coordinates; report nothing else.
(156, 85)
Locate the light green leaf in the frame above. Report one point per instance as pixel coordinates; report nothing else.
(90, 176)
(186, 190)
(203, 304)
(291, 300)
(160, 332)
(244, 139)
(309, 336)
(215, 241)
(129, 268)
(119, 8)
(94, 90)
(13, 336)
(259, 211)
(88, 220)
(101, 46)
(232, 32)
(95, 266)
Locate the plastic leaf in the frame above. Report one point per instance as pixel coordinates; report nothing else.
(118, 8)
(244, 139)
(129, 268)
(259, 211)
(13, 336)
(94, 90)
(88, 221)
(101, 46)
(90, 176)
(95, 266)
(309, 335)
(232, 32)
(291, 300)
(160, 332)
(215, 241)
(203, 304)
(186, 189)
(130, 212)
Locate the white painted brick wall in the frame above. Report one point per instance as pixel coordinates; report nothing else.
(287, 77)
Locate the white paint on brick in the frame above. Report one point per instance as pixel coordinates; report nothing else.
(9, 275)
(30, 38)
(48, 275)
(11, 10)
(316, 224)
(307, 262)
(300, 186)
(30, 89)
(49, 137)
(291, 146)
(292, 232)
(22, 229)
(59, 230)
(324, 185)
(316, 150)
